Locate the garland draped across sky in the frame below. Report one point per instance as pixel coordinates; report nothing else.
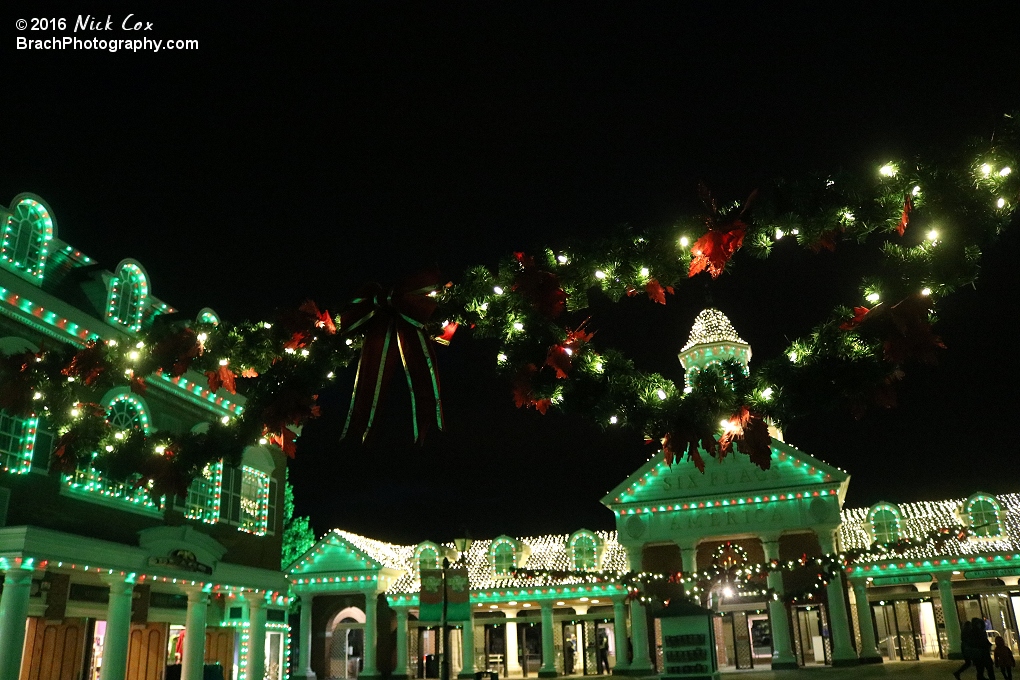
(928, 220)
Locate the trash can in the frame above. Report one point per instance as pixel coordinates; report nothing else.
(486, 675)
(431, 666)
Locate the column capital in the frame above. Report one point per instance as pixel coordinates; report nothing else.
(770, 546)
(546, 604)
(119, 583)
(197, 593)
(255, 600)
(827, 539)
(17, 576)
(509, 613)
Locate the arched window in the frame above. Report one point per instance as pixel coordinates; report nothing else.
(983, 516)
(885, 523)
(127, 412)
(584, 550)
(26, 238)
(207, 315)
(128, 294)
(427, 557)
(503, 553)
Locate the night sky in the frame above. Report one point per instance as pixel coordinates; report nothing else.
(303, 151)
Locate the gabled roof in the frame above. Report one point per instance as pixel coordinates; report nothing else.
(919, 519)
(723, 479)
(342, 551)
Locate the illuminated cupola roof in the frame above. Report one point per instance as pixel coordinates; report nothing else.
(713, 340)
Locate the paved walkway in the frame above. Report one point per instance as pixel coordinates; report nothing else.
(898, 670)
(919, 670)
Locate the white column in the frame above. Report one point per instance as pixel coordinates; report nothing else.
(13, 621)
(843, 652)
(401, 671)
(304, 667)
(118, 627)
(689, 558)
(620, 635)
(369, 668)
(869, 651)
(513, 665)
(256, 635)
(467, 647)
(782, 653)
(193, 662)
(639, 638)
(950, 614)
(548, 669)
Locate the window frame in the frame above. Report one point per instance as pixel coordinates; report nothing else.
(876, 534)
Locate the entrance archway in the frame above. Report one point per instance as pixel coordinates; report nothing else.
(346, 646)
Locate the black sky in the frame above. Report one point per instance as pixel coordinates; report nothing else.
(306, 148)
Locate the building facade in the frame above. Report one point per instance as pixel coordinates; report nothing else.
(99, 579)
(360, 598)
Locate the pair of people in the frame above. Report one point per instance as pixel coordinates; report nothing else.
(976, 650)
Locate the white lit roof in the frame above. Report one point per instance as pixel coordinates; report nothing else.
(711, 326)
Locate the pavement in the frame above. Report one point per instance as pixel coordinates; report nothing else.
(900, 670)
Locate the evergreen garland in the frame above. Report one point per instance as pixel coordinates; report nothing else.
(929, 221)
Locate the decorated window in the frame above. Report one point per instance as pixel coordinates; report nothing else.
(982, 514)
(584, 550)
(203, 502)
(27, 234)
(884, 519)
(245, 499)
(426, 556)
(128, 294)
(17, 442)
(503, 553)
(127, 412)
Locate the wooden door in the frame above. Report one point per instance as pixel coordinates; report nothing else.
(219, 648)
(53, 651)
(147, 651)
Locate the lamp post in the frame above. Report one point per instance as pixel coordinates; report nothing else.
(462, 545)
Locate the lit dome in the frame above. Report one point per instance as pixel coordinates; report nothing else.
(713, 340)
(711, 326)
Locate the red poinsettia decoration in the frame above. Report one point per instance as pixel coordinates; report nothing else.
(449, 328)
(173, 353)
(724, 237)
(657, 292)
(908, 207)
(523, 390)
(825, 241)
(286, 439)
(677, 443)
(540, 288)
(858, 318)
(17, 386)
(88, 363)
(903, 328)
(303, 322)
(222, 377)
(321, 319)
(750, 433)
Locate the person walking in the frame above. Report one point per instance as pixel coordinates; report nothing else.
(967, 649)
(603, 661)
(1004, 660)
(982, 650)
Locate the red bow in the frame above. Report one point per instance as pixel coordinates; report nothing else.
(393, 325)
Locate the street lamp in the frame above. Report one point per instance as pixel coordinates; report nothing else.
(462, 545)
